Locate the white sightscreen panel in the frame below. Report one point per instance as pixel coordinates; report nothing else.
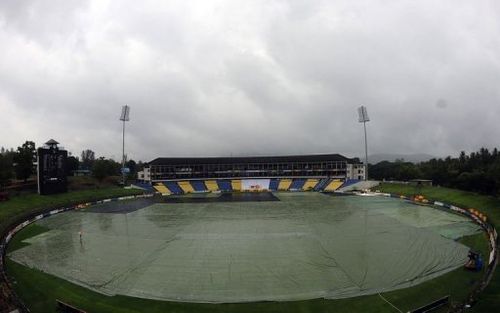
(255, 184)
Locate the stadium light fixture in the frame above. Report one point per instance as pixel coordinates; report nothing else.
(124, 117)
(363, 118)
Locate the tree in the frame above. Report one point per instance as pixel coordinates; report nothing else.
(88, 158)
(103, 168)
(6, 167)
(398, 170)
(24, 159)
(72, 164)
(132, 166)
(407, 171)
(494, 172)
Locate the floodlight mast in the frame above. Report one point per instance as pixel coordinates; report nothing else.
(124, 117)
(363, 118)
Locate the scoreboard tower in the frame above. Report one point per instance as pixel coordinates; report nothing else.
(52, 176)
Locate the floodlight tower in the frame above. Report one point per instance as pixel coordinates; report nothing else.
(363, 118)
(124, 117)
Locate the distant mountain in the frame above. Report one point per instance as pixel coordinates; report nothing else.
(414, 158)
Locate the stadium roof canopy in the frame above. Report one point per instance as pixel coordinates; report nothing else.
(254, 159)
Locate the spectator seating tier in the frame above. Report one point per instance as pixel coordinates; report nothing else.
(310, 184)
(185, 186)
(198, 186)
(284, 184)
(236, 184)
(224, 185)
(322, 184)
(145, 186)
(162, 189)
(333, 185)
(173, 187)
(273, 184)
(349, 182)
(212, 185)
(297, 184)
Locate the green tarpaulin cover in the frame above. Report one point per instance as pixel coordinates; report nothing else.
(307, 245)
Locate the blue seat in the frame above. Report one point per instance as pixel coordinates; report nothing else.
(224, 185)
(297, 184)
(273, 184)
(145, 186)
(349, 182)
(322, 184)
(173, 187)
(198, 185)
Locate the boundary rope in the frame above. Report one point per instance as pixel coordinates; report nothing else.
(390, 303)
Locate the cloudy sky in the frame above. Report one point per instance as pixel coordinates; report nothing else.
(230, 77)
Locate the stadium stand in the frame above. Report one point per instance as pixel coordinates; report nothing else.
(173, 187)
(162, 189)
(211, 185)
(214, 174)
(333, 185)
(236, 184)
(310, 184)
(273, 184)
(224, 185)
(284, 184)
(297, 184)
(198, 186)
(322, 184)
(145, 186)
(291, 166)
(186, 186)
(349, 182)
(360, 185)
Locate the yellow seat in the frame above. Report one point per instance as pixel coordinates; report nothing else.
(310, 184)
(212, 185)
(334, 185)
(284, 184)
(236, 185)
(185, 186)
(161, 188)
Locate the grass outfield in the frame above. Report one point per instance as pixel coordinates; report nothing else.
(39, 290)
(490, 298)
(20, 206)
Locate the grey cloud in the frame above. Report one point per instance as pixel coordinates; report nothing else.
(251, 77)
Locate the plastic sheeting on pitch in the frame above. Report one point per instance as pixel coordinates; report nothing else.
(255, 184)
(305, 246)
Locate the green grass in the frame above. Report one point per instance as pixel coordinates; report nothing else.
(464, 199)
(40, 290)
(17, 241)
(20, 206)
(490, 298)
